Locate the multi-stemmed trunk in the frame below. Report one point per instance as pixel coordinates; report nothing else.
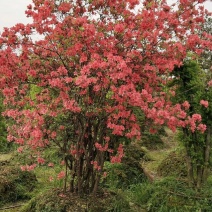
(82, 174)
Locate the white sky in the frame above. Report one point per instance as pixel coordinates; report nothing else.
(13, 11)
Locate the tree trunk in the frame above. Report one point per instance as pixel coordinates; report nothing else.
(66, 175)
(190, 171)
(199, 176)
(207, 154)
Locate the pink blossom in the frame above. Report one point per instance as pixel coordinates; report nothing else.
(20, 149)
(53, 135)
(40, 160)
(32, 73)
(28, 168)
(12, 113)
(62, 70)
(118, 157)
(152, 130)
(119, 28)
(202, 128)
(62, 163)
(36, 133)
(107, 139)
(56, 82)
(68, 79)
(61, 175)
(73, 152)
(95, 165)
(192, 126)
(23, 168)
(186, 105)
(31, 167)
(210, 83)
(173, 93)
(51, 165)
(110, 150)
(204, 103)
(196, 117)
(115, 159)
(62, 195)
(182, 114)
(64, 7)
(51, 179)
(105, 174)
(10, 138)
(61, 127)
(159, 104)
(100, 147)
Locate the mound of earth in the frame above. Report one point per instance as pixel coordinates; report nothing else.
(56, 201)
(14, 183)
(173, 165)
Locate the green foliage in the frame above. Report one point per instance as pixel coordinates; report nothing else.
(34, 90)
(5, 146)
(3, 132)
(119, 203)
(169, 195)
(153, 141)
(190, 83)
(52, 154)
(129, 171)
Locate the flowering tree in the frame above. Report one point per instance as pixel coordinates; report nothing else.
(95, 61)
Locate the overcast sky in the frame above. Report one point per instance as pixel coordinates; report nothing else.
(13, 11)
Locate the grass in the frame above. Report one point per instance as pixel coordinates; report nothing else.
(158, 155)
(5, 157)
(12, 207)
(156, 158)
(170, 195)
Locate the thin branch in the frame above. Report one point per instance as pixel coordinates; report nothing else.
(14, 206)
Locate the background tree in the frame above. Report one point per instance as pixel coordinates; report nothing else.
(205, 60)
(94, 63)
(193, 90)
